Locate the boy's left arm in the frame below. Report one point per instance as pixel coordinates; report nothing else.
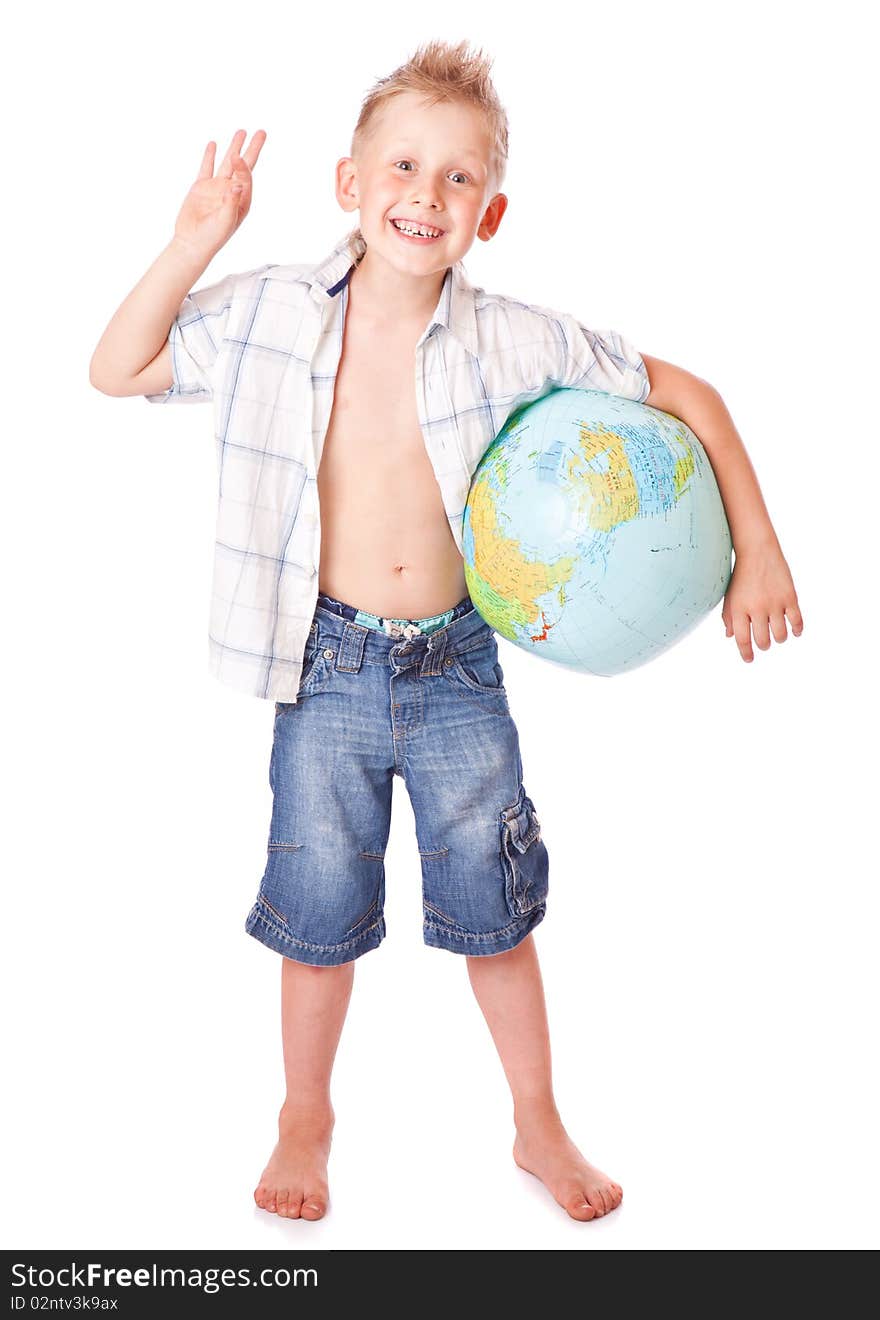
(761, 592)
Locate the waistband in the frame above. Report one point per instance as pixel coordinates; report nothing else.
(354, 640)
(395, 627)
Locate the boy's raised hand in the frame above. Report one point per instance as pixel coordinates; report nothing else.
(215, 205)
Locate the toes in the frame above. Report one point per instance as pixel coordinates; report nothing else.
(580, 1204)
(616, 1195)
(289, 1205)
(578, 1208)
(597, 1201)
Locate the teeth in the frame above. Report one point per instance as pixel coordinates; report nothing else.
(422, 231)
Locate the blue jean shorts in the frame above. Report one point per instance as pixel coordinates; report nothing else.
(428, 705)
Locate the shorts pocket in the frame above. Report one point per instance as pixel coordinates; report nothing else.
(524, 856)
(478, 669)
(314, 663)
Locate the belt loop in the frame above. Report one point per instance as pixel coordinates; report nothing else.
(351, 647)
(435, 652)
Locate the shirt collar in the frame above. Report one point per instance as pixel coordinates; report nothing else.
(455, 305)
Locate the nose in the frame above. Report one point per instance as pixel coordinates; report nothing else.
(431, 213)
(427, 195)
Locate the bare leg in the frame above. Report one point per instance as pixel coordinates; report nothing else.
(510, 992)
(314, 1001)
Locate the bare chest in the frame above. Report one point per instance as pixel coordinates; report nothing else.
(374, 420)
(385, 537)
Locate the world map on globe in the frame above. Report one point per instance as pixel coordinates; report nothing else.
(594, 532)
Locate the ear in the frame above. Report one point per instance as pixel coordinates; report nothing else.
(347, 194)
(492, 217)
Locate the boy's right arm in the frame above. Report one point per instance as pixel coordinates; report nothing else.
(133, 356)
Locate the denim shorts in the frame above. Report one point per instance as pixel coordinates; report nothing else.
(428, 706)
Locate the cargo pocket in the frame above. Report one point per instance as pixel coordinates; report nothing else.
(524, 856)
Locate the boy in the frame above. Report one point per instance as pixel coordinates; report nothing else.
(339, 589)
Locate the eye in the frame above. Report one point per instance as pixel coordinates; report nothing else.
(409, 162)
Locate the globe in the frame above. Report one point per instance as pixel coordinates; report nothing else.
(594, 533)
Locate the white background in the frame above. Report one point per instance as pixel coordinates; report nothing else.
(696, 178)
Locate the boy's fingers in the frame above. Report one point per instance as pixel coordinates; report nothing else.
(254, 148)
(777, 623)
(206, 169)
(743, 636)
(761, 633)
(225, 170)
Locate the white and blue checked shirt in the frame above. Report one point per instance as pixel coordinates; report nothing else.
(264, 346)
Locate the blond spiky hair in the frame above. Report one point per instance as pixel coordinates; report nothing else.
(441, 71)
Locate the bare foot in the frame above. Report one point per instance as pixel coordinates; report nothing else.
(294, 1182)
(544, 1148)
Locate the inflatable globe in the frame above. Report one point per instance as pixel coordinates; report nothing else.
(594, 532)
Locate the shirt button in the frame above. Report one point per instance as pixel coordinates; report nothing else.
(328, 654)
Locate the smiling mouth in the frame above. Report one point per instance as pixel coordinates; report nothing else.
(417, 238)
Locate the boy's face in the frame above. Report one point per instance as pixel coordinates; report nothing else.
(423, 163)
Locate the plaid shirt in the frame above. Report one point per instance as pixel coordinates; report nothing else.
(264, 346)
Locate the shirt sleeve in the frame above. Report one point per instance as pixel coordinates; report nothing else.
(599, 360)
(195, 336)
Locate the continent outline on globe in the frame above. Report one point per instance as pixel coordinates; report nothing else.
(594, 533)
